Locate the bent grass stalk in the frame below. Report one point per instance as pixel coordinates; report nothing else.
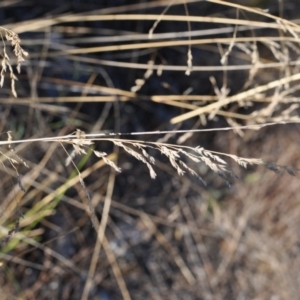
(178, 156)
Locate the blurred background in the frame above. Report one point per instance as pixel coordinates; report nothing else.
(135, 66)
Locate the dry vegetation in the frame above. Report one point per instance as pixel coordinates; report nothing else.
(81, 217)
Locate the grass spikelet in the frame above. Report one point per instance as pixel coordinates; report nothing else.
(13, 159)
(112, 164)
(15, 41)
(279, 168)
(173, 157)
(244, 162)
(192, 172)
(138, 156)
(20, 54)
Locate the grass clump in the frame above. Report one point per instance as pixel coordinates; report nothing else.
(174, 69)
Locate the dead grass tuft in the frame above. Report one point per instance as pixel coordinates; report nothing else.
(187, 233)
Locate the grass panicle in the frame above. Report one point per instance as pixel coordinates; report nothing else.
(19, 53)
